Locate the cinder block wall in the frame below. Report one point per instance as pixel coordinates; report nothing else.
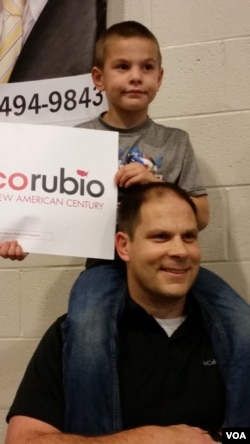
(206, 91)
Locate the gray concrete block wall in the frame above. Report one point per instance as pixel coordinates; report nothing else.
(33, 293)
(206, 91)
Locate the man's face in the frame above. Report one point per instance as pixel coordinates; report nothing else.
(131, 74)
(164, 256)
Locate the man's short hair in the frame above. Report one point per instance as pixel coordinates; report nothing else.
(136, 196)
(125, 29)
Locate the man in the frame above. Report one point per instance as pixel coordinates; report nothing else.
(58, 38)
(180, 367)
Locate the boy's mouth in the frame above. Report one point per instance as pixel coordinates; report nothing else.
(135, 91)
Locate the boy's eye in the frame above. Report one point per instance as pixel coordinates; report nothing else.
(122, 66)
(148, 67)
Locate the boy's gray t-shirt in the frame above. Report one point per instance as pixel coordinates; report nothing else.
(167, 152)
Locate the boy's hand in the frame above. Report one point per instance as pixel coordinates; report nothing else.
(133, 173)
(12, 250)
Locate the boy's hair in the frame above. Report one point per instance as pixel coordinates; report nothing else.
(136, 196)
(125, 29)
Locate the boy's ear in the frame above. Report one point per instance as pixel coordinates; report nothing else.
(97, 78)
(160, 77)
(122, 243)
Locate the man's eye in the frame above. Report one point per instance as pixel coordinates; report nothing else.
(161, 237)
(190, 237)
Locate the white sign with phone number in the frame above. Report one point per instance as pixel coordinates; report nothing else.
(62, 101)
(57, 193)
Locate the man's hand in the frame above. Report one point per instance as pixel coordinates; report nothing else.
(12, 250)
(183, 434)
(132, 174)
(23, 430)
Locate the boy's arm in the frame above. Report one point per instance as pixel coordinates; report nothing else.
(202, 206)
(25, 430)
(133, 174)
(12, 250)
(136, 173)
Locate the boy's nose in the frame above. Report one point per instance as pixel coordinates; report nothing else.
(136, 75)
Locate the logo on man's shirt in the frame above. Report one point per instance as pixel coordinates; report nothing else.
(209, 362)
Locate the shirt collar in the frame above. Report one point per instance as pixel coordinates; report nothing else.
(35, 7)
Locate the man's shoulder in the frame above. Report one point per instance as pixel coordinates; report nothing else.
(52, 338)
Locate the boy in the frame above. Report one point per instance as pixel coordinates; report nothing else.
(128, 68)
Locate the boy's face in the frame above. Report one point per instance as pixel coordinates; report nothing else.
(131, 75)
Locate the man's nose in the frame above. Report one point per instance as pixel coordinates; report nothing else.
(177, 247)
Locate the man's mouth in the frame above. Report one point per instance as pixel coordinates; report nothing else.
(177, 271)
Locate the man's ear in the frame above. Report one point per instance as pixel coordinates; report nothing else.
(122, 243)
(97, 78)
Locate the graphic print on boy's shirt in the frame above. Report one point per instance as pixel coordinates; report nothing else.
(135, 155)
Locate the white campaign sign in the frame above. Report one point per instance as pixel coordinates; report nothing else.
(57, 194)
(65, 101)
